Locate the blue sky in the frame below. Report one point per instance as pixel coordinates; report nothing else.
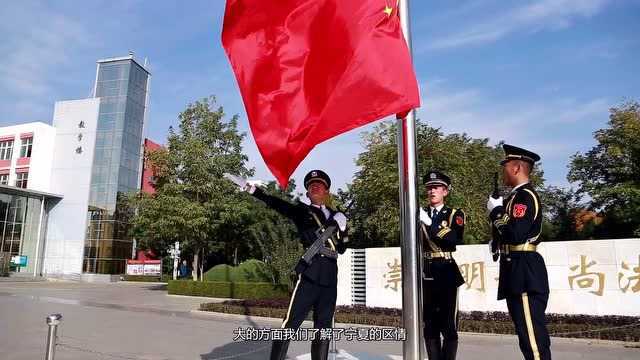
(541, 74)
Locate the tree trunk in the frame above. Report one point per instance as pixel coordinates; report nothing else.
(195, 267)
(202, 266)
(235, 256)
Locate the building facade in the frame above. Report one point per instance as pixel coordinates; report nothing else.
(76, 124)
(61, 185)
(147, 181)
(121, 85)
(25, 174)
(25, 155)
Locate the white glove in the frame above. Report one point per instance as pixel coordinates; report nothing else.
(341, 220)
(240, 181)
(256, 183)
(490, 247)
(252, 184)
(424, 217)
(493, 203)
(244, 184)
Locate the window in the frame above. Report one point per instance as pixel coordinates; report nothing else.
(6, 150)
(21, 180)
(4, 179)
(25, 148)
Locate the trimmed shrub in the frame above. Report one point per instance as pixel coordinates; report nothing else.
(222, 272)
(224, 289)
(142, 278)
(253, 271)
(247, 272)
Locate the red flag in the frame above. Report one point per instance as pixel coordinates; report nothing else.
(309, 70)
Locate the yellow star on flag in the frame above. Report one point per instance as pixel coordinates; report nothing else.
(388, 10)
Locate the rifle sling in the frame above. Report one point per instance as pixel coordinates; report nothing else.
(315, 217)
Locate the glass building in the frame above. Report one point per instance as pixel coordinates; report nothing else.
(122, 86)
(23, 219)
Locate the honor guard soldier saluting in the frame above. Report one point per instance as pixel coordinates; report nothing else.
(317, 271)
(441, 230)
(523, 279)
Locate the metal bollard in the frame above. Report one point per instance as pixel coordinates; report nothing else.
(333, 350)
(53, 321)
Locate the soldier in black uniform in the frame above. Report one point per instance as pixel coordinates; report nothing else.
(317, 284)
(523, 280)
(441, 229)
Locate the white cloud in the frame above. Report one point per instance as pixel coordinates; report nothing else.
(554, 127)
(545, 126)
(532, 17)
(31, 52)
(39, 48)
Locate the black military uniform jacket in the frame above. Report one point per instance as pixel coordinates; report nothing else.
(444, 234)
(323, 270)
(519, 221)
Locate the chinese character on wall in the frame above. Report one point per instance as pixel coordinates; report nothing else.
(587, 280)
(629, 275)
(473, 273)
(394, 275)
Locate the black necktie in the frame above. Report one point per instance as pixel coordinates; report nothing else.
(434, 213)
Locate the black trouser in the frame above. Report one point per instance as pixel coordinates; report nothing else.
(527, 313)
(440, 311)
(306, 296)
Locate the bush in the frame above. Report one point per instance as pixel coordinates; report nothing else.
(225, 289)
(247, 272)
(143, 278)
(253, 271)
(222, 272)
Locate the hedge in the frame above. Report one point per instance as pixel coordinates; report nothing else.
(224, 289)
(143, 278)
(622, 328)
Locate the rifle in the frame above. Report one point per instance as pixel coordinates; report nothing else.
(322, 235)
(495, 244)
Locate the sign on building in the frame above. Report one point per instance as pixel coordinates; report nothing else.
(19, 260)
(144, 267)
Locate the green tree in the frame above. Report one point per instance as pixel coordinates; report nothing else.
(274, 234)
(469, 162)
(193, 203)
(609, 173)
(559, 211)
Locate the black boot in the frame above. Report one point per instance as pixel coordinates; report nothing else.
(449, 349)
(279, 349)
(434, 352)
(320, 349)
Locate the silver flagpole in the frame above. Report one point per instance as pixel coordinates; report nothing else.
(411, 281)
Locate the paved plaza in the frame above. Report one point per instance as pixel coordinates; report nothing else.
(141, 322)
